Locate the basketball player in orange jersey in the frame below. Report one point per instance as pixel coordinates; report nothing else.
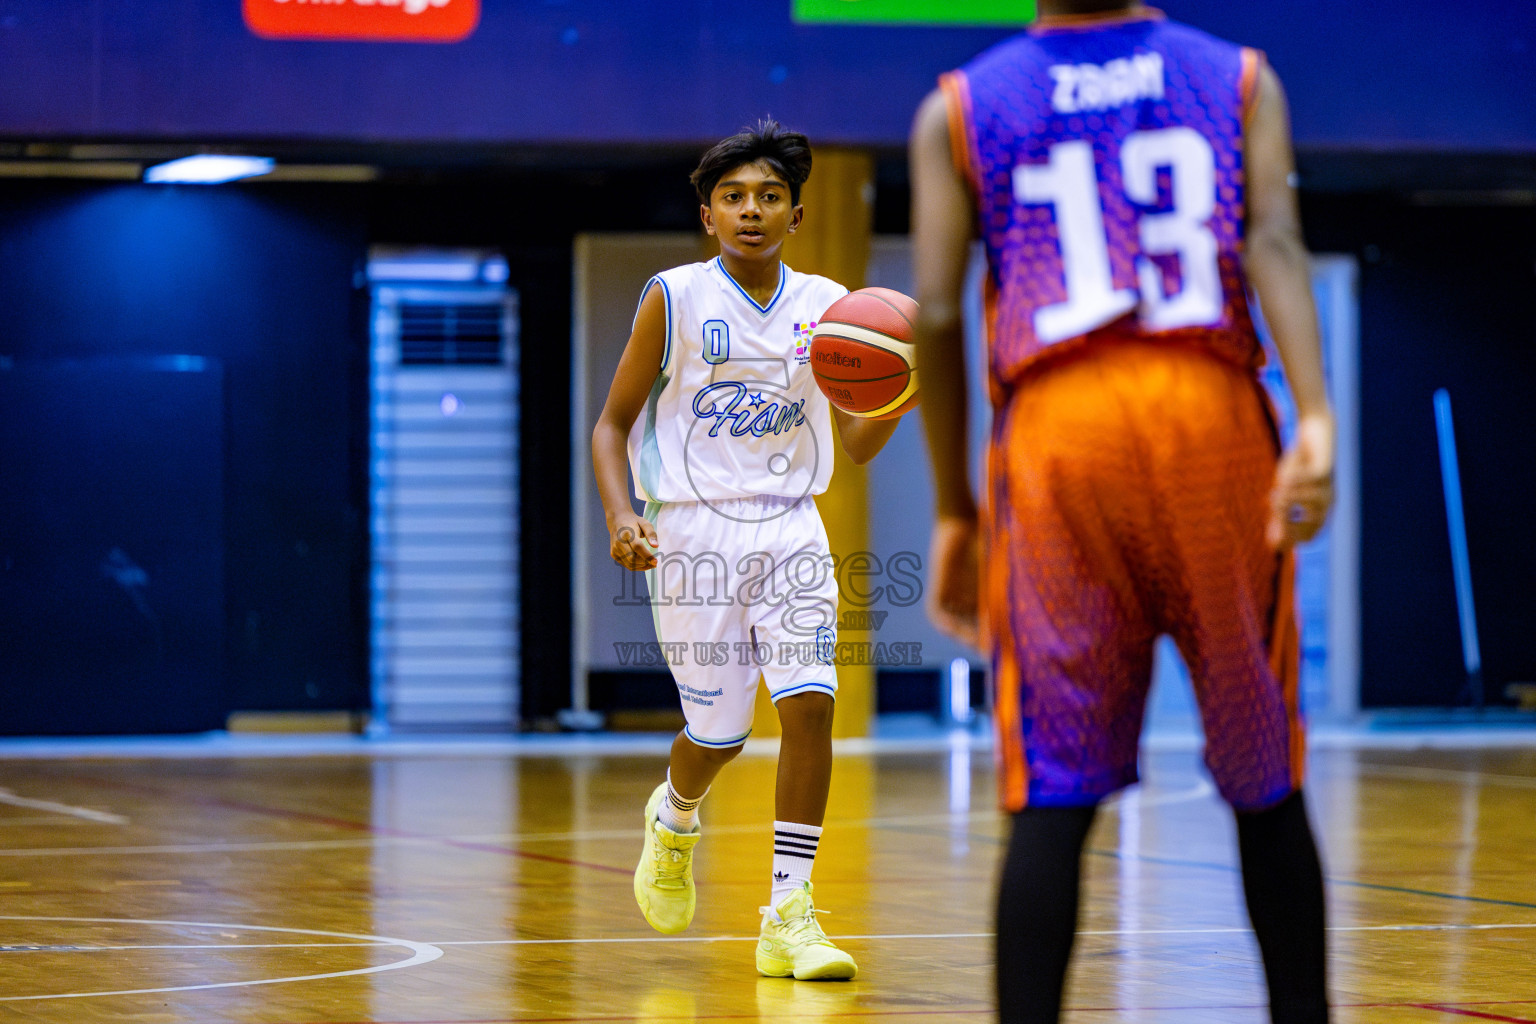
(1129, 177)
(714, 412)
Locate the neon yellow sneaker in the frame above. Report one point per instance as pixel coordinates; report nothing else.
(792, 943)
(664, 878)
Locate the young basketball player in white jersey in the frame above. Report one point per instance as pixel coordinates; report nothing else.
(714, 411)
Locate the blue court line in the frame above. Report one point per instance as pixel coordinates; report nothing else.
(1431, 892)
(1349, 882)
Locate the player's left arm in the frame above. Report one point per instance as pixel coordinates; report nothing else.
(1275, 257)
(862, 439)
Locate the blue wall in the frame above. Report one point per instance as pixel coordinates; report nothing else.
(111, 544)
(1414, 74)
(261, 286)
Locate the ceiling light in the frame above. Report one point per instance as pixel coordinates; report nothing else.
(209, 169)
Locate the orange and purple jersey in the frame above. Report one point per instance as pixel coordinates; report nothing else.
(1106, 161)
(1133, 449)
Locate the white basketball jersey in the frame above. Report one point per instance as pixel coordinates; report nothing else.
(734, 411)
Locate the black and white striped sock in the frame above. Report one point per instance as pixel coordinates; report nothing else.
(794, 854)
(679, 813)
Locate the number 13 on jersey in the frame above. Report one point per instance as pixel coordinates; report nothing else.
(1069, 182)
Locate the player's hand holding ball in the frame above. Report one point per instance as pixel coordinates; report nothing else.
(862, 355)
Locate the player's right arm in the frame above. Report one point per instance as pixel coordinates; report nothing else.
(632, 539)
(1275, 257)
(942, 229)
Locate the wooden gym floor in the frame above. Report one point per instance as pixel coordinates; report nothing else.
(454, 883)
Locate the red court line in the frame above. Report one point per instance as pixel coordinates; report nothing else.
(355, 826)
(1443, 1006)
(1473, 1013)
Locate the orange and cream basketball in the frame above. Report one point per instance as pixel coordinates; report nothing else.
(861, 353)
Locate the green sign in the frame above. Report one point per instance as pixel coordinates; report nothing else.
(914, 12)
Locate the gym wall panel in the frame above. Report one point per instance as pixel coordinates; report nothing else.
(1416, 76)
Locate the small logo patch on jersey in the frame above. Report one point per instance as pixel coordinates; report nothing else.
(803, 334)
(826, 638)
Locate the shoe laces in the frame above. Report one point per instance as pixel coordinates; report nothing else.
(671, 864)
(802, 928)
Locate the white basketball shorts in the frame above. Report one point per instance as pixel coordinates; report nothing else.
(742, 587)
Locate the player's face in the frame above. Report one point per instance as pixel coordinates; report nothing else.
(750, 212)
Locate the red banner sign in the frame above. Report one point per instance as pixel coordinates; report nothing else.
(400, 21)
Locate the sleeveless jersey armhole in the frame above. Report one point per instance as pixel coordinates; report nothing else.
(666, 294)
(962, 143)
(1248, 83)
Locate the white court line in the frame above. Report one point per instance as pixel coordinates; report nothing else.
(370, 942)
(505, 838)
(973, 935)
(127, 851)
(193, 945)
(423, 953)
(7, 797)
(1323, 737)
(1139, 797)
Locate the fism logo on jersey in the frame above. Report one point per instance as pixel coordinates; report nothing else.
(396, 21)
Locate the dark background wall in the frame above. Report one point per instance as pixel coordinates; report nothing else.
(532, 217)
(111, 543)
(1414, 74)
(259, 286)
(1448, 300)
(261, 283)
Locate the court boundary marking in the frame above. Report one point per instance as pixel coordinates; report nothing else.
(893, 936)
(380, 942)
(1322, 735)
(423, 953)
(1199, 790)
(484, 842)
(1459, 1009)
(84, 813)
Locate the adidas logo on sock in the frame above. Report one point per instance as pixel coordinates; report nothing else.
(780, 876)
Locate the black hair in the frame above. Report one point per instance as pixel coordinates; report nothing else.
(787, 153)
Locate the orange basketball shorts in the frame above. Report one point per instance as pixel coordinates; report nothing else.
(1129, 490)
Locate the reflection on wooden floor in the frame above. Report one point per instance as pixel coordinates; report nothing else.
(483, 887)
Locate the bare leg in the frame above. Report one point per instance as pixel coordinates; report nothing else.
(695, 767)
(805, 758)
